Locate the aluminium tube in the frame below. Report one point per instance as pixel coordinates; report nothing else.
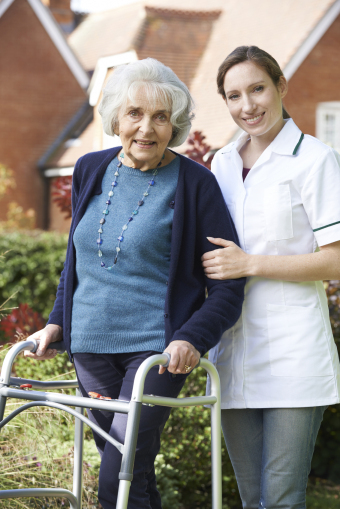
(7, 367)
(132, 428)
(108, 405)
(216, 461)
(78, 456)
(87, 421)
(40, 492)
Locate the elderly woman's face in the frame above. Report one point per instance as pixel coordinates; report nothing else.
(145, 131)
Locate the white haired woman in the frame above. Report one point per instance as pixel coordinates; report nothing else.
(133, 284)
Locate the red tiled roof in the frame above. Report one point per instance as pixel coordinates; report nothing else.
(106, 33)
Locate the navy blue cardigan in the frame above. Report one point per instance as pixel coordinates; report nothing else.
(199, 211)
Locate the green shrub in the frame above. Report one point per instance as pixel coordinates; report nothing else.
(31, 267)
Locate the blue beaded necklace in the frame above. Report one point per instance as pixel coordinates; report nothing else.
(134, 213)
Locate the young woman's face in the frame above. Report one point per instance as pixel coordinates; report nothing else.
(254, 102)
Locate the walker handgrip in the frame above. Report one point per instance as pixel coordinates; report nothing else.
(169, 358)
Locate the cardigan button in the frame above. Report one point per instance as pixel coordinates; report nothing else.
(166, 282)
(166, 315)
(172, 204)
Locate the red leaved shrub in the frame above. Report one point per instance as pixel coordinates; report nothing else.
(22, 321)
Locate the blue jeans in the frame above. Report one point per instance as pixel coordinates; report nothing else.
(271, 451)
(113, 375)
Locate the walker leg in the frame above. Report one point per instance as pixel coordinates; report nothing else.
(123, 494)
(2, 405)
(128, 459)
(78, 456)
(216, 460)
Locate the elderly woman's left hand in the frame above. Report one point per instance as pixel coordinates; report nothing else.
(183, 355)
(231, 262)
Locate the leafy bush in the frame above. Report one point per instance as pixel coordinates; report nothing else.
(32, 263)
(325, 462)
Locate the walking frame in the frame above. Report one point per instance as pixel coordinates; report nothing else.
(9, 388)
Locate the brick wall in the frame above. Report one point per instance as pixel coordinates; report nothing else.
(316, 80)
(38, 96)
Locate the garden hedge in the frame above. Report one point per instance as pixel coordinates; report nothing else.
(31, 265)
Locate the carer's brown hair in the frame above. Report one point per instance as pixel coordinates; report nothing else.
(250, 54)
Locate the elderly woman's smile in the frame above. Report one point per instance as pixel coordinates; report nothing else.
(145, 131)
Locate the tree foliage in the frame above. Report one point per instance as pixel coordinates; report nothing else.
(199, 151)
(61, 190)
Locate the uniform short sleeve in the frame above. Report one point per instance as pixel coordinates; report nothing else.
(321, 197)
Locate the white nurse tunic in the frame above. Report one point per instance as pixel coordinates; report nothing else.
(281, 352)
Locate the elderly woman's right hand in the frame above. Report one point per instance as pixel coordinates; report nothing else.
(50, 334)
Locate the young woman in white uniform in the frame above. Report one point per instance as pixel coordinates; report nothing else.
(278, 365)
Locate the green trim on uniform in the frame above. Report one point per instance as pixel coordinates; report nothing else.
(322, 227)
(298, 144)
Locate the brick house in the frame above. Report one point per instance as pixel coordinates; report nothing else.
(42, 94)
(193, 38)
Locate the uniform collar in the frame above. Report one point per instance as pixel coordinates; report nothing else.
(286, 142)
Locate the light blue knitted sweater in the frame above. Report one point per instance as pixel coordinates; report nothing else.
(122, 310)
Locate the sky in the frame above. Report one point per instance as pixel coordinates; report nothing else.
(98, 5)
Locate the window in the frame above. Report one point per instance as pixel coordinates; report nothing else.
(328, 123)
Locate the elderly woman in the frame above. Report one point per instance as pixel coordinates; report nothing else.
(133, 284)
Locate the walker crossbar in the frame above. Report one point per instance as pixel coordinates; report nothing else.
(87, 421)
(41, 492)
(131, 408)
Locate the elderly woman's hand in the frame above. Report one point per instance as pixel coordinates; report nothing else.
(182, 354)
(231, 262)
(50, 334)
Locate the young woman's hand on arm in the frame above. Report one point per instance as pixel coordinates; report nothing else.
(231, 262)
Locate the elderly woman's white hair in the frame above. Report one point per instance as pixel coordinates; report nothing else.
(159, 84)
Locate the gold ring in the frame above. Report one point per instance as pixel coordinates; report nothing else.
(187, 368)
